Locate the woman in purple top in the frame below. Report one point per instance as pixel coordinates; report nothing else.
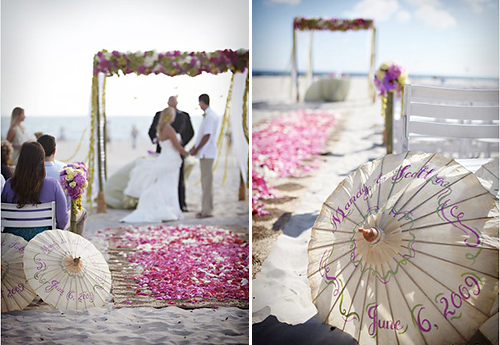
(29, 186)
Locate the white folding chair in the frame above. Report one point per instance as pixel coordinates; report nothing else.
(29, 216)
(458, 123)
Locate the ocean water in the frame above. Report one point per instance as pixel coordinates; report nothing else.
(74, 127)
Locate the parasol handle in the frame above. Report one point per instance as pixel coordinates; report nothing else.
(369, 234)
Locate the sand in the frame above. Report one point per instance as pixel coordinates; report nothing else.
(144, 325)
(282, 308)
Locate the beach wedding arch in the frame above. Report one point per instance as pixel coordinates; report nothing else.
(170, 63)
(331, 24)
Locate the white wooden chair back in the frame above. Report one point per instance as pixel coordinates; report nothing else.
(29, 216)
(456, 122)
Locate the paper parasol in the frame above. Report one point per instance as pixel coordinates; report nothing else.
(16, 292)
(403, 252)
(66, 270)
(488, 176)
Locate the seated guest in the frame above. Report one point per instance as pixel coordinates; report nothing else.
(53, 169)
(7, 150)
(29, 186)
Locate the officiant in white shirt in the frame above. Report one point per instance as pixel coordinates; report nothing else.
(206, 150)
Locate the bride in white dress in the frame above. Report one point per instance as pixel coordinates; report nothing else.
(155, 182)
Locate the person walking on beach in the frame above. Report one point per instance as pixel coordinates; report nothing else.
(53, 169)
(206, 150)
(134, 134)
(182, 125)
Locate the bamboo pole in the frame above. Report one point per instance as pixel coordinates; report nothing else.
(389, 119)
(105, 131)
(101, 203)
(371, 72)
(73, 217)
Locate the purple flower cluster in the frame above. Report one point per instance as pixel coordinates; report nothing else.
(332, 24)
(390, 77)
(73, 179)
(171, 63)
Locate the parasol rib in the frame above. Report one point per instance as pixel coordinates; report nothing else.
(341, 292)
(406, 302)
(353, 298)
(423, 186)
(447, 244)
(417, 181)
(329, 245)
(331, 208)
(340, 257)
(423, 227)
(364, 305)
(330, 230)
(388, 197)
(447, 288)
(454, 263)
(381, 171)
(433, 304)
(437, 193)
(447, 207)
(354, 203)
(390, 308)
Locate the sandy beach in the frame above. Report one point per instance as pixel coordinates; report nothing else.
(40, 323)
(282, 307)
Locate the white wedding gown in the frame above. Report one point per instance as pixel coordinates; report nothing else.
(155, 182)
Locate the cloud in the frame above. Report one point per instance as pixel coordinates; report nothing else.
(379, 10)
(403, 16)
(286, 2)
(478, 5)
(435, 17)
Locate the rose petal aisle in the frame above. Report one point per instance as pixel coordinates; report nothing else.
(284, 147)
(189, 266)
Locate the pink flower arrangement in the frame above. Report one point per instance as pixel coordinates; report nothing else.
(189, 263)
(171, 63)
(74, 179)
(332, 24)
(284, 148)
(390, 77)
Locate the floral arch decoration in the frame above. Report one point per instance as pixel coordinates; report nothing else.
(171, 63)
(332, 24)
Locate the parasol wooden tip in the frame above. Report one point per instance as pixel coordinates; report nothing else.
(369, 234)
(73, 264)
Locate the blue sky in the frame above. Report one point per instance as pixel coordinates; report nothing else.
(428, 37)
(47, 49)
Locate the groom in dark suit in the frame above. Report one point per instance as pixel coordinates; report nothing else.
(182, 125)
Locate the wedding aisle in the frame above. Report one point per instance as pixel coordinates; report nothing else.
(282, 308)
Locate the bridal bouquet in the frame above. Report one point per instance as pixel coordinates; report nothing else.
(74, 179)
(390, 77)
